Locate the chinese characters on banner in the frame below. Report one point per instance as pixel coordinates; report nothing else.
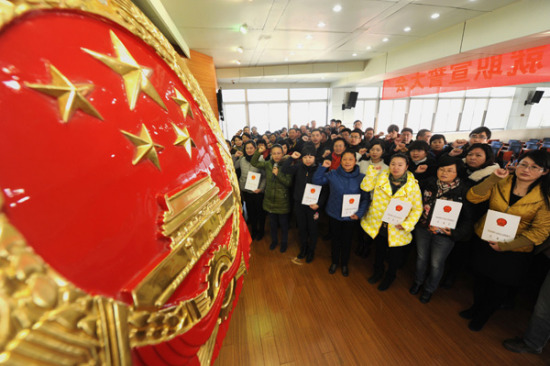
(520, 67)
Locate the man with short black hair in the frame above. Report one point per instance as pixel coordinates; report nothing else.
(358, 124)
(369, 136)
(479, 135)
(346, 134)
(254, 134)
(294, 140)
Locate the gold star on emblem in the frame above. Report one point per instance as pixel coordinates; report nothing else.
(135, 76)
(183, 103)
(184, 139)
(70, 97)
(145, 147)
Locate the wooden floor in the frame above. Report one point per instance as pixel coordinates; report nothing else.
(298, 315)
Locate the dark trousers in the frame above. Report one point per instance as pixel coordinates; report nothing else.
(256, 213)
(307, 226)
(538, 331)
(488, 296)
(341, 232)
(276, 221)
(394, 255)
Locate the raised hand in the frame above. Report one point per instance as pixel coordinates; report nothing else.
(459, 142)
(421, 168)
(275, 170)
(455, 152)
(326, 153)
(362, 151)
(501, 173)
(238, 154)
(326, 164)
(295, 155)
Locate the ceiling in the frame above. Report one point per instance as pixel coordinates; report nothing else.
(286, 33)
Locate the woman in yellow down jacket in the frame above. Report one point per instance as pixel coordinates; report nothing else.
(390, 240)
(499, 267)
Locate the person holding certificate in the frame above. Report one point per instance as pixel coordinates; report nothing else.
(308, 198)
(276, 198)
(439, 228)
(390, 239)
(252, 184)
(500, 265)
(345, 205)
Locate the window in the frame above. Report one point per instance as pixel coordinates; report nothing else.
(392, 112)
(446, 117)
(304, 112)
(421, 113)
(235, 119)
(472, 114)
(539, 116)
(268, 116)
(233, 95)
(498, 113)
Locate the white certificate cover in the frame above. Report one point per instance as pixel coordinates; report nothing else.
(397, 211)
(311, 194)
(500, 226)
(252, 181)
(350, 204)
(445, 214)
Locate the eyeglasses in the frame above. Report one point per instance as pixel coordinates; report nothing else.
(532, 168)
(476, 136)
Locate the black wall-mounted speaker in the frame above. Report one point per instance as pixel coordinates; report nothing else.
(534, 97)
(220, 103)
(352, 100)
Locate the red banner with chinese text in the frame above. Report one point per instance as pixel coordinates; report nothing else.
(527, 66)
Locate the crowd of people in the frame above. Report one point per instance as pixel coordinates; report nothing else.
(383, 191)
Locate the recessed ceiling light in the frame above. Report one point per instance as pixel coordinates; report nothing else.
(286, 58)
(309, 36)
(369, 48)
(337, 8)
(385, 39)
(435, 16)
(244, 28)
(321, 24)
(354, 54)
(299, 45)
(240, 50)
(292, 53)
(407, 29)
(237, 62)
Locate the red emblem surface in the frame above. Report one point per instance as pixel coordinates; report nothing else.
(312, 190)
(398, 208)
(447, 209)
(111, 170)
(501, 222)
(351, 200)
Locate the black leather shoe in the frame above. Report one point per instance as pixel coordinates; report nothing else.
(415, 288)
(475, 325)
(273, 246)
(377, 276)
(345, 271)
(386, 283)
(518, 345)
(259, 236)
(283, 248)
(302, 254)
(467, 314)
(309, 257)
(425, 297)
(332, 268)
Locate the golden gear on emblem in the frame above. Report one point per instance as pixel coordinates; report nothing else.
(121, 234)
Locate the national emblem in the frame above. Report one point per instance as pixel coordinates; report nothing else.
(121, 235)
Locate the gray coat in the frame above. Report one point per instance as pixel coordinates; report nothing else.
(246, 167)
